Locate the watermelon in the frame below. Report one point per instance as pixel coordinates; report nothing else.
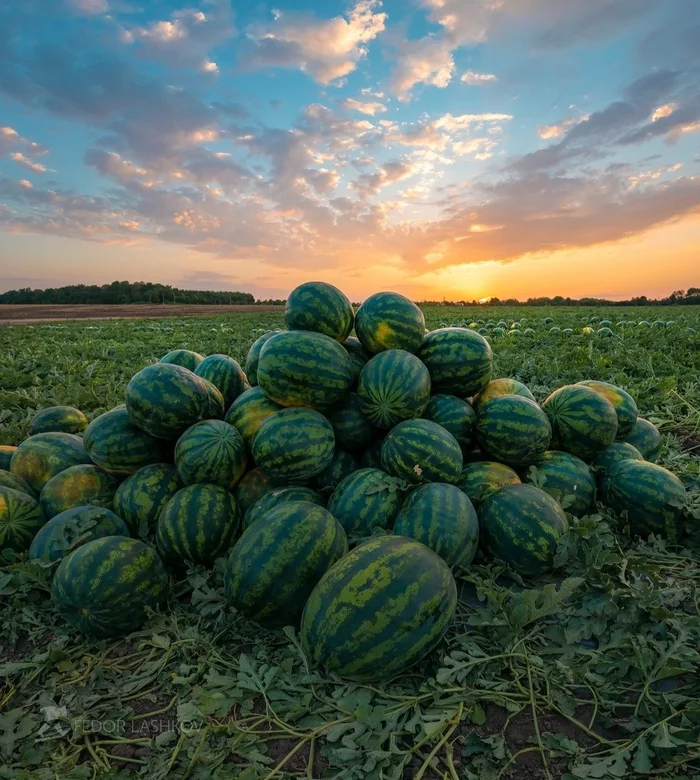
(365, 500)
(215, 407)
(117, 446)
(459, 361)
(225, 374)
(252, 486)
(371, 458)
(387, 320)
(211, 452)
(381, 609)
(622, 402)
(277, 497)
(499, 387)
(6, 453)
(78, 486)
(522, 525)
(198, 524)
(106, 587)
(251, 361)
(279, 559)
(513, 430)
(9, 480)
(184, 358)
(20, 518)
(617, 451)
(567, 479)
(249, 411)
(68, 530)
(442, 518)
(422, 451)
(67, 419)
(455, 415)
(353, 431)
(481, 478)
(651, 496)
(583, 421)
(293, 445)
(358, 356)
(41, 457)
(141, 497)
(392, 387)
(342, 465)
(319, 307)
(164, 400)
(646, 438)
(301, 368)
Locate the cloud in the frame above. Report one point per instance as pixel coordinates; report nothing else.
(478, 79)
(25, 162)
(363, 107)
(557, 130)
(20, 149)
(425, 61)
(89, 7)
(389, 173)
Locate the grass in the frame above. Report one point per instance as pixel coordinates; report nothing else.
(591, 672)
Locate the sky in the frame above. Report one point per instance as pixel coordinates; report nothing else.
(447, 149)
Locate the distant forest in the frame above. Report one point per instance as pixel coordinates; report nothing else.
(679, 297)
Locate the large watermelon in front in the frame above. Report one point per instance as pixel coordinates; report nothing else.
(513, 430)
(249, 411)
(225, 374)
(41, 457)
(277, 497)
(251, 361)
(567, 479)
(455, 415)
(499, 387)
(459, 360)
(646, 438)
(381, 609)
(422, 451)
(20, 518)
(141, 497)
(67, 419)
(387, 320)
(480, 479)
(106, 587)
(78, 486)
(319, 307)
(623, 403)
(211, 452)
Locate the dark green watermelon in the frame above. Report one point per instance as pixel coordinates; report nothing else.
(353, 431)
(20, 519)
(623, 403)
(251, 361)
(646, 438)
(617, 451)
(319, 307)
(342, 465)
(141, 497)
(459, 361)
(456, 416)
(371, 458)
(481, 478)
(41, 457)
(9, 480)
(387, 320)
(513, 430)
(252, 486)
(358, 356)
(365, 500)
(422, 451)
(211, 452)
(277, 497)
(67, 419)
(567, 479)
(215, 407)
(183, 357)
(249, 411)
(6, 453)
(225, 374)
(78, 486)
(498, 387)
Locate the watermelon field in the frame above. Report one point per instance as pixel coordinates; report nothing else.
(499, 570)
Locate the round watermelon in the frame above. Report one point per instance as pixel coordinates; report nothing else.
(617, 451)
(293, 445)
(567, 479)
(371, 458)
(9, 480)
(513, 430)
(70, 529)
(583, 421)
(387, 320)
(20, 518)
(215, 407)
(225, 374)
(482, 478)
(459, 361)
(106, 587)
(623, 403)
(211, 452)
(365, 500)
(198, 524)
(319, 307)
(67, 419)
(279, 559)
(183, 357)
(645, 437)
(498, 387)
(342, 465)
(277, 497)
(252, 486)
(251, 361)
(353, 431)
(522, 526)
(78, 486)
(392, 387)
(358, 356)
(141, 497)
(455, 415)
(422, 451)
(6, 453)
(41, 457)
(301, 368)
(441, 517)
(249, 411)
(381, 609)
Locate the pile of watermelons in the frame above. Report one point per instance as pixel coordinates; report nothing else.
(345, 479)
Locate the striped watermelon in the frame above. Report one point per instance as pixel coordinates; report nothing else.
(20, 518)
(301, 368)
(460, 361)
(499, 387)
(251, 361)
(41, 457)
(513, 430)
(442, 518)
(184, 358)
(381, 609)
(67, 419)
(249, 411)
(650, 496)
(482, 478)
(211, 452)
(293, 445)
(392, 387)
(215, 407)
(6, 453)
(277, 497)
(9, 480)
(365, 500)
(455, 415)
(371, 458)
(617, 451)
(141, 497)
(623, 403)
(225, 374)
(358, 356)
(342, 465)
(164, 400)
(583, 421)
(319, 307)
(252, 486)
(198, 524)
(422, 451)
(387, 320)
(353, 431)
(117, 446)
(646, 438)
(522, 525)
(106, 587)
(78, 486)
(279, 559)
(567, 479)
(72, 528)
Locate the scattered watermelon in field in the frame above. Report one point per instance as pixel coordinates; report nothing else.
(459, 361)
(66, 419)
(646, 438)
(20, 519)
(141, 497)
(387, 320)
(211, 452)
(319, 307)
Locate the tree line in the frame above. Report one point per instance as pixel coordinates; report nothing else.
(688, 297)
